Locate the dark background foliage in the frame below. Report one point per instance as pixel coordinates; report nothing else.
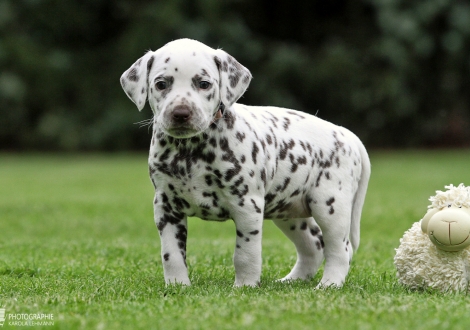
(396, 72)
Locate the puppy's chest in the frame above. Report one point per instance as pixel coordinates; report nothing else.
(198, 179)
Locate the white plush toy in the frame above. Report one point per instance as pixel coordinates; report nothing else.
(435, 252)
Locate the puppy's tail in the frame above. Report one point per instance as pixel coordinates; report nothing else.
(359, 198)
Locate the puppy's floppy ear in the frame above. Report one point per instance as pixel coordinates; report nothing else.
(134, 80)
(234, 77)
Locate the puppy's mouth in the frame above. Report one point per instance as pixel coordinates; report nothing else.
(181, 132)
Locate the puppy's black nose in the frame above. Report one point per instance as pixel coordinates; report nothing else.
(181, 114)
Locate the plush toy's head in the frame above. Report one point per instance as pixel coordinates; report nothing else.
(447, 222)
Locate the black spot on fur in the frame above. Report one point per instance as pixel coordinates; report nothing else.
(317, 182)
(229, 120)
(257, 209)
(149, 65)
(213, 142)
(234, 79)
(170, 216)
(223, 214)
(269, 198)
(229, 156)
(132, 75)
(330, 204)
(263, 176)
(315, 231)
(254, 152)
(285, 147)
(286, 123)
(181, 235)
(240, 136)
(295, 114)
(229, 94)
(269, 139)
(236, 191)
(166, 256)
(318, 245)
(210, 96)
(295, 193)
(284, 186)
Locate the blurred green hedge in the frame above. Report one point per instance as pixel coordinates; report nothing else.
(396, 72)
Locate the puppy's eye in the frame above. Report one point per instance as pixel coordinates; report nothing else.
(161, 85)
(204, 84)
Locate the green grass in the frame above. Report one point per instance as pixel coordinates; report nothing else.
(77, 240)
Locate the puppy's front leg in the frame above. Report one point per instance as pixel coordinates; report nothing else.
(172, 227)
(247, 256)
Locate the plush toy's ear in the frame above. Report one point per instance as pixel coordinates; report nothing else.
(234, 77)
(426, 218)
(134, 80)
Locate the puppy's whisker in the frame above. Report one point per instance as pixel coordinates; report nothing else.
(145, 123)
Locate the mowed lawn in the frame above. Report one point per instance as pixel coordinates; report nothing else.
(78, 241)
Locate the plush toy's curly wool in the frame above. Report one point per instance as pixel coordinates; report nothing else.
(456, 196)
(421, 264)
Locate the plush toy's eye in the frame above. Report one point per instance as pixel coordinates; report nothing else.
(204, 84)
(161, 85)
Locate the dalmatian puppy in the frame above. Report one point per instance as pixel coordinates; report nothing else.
(215, 159)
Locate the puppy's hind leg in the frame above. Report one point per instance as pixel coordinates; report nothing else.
(335, 223)
(307, 238)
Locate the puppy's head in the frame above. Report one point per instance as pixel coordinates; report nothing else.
(184, 82)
